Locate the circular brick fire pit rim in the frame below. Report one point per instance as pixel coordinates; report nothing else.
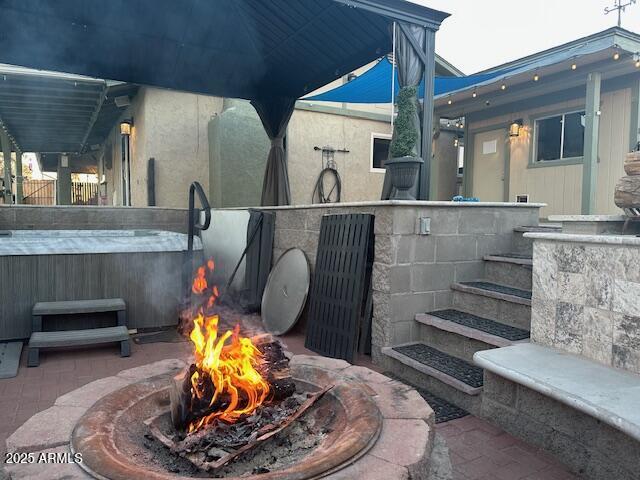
(95, 435)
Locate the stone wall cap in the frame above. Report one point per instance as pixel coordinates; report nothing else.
(604, 239)
(399, 203)
(587, 218)
(605, 393)
(91, 207)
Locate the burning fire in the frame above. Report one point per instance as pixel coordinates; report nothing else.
(225, 364)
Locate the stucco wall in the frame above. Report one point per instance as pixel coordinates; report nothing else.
(171, 127)
(308, 129)
(561, 186)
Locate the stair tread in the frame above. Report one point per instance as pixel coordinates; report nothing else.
(454, 367)
(483, 324)
(539, 228)
(516, 258)
(497, 288)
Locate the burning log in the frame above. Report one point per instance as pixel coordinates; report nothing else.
(274, 369)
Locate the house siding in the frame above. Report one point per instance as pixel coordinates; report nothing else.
(560, 187)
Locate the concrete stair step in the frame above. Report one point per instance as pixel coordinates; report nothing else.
(511, 269)
(520, 244)
(496, 291)
(491, 300)
(512, 257)
(455, 372)
(474, 327)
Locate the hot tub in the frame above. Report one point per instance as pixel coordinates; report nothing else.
(144, 267)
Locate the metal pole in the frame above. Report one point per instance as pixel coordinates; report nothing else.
(393, 76)
(427, 114)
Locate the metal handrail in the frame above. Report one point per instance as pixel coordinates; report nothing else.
(194, 224)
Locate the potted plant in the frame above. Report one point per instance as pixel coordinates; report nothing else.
(404, 165)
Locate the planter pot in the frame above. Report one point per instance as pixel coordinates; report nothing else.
(403, 172)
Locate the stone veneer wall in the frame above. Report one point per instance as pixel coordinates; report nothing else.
(412, 273)
(29, 217)
(586, 296)
(591, 448)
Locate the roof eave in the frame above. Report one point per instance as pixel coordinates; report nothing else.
(401, 10)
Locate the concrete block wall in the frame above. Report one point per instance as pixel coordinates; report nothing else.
(36, 217)
(412, 272)
(586, 297)
(591, 448)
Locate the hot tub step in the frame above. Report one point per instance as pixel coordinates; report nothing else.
(472, 326)
(79, 306)
(446, 368)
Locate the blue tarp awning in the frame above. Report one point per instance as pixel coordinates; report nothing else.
(374, 86)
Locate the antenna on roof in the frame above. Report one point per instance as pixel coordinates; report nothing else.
(620, 7)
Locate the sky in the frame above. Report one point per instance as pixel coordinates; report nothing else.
(483, 33)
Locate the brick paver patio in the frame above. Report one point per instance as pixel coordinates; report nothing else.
(477, 449)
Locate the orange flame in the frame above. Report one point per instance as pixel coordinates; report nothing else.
(227, 369)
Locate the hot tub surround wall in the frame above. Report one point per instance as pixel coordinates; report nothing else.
(412, 272)
(30, 217)
(586, 296)
(150, 283)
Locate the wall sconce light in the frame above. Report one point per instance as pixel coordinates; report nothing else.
(125, 127)
(514, 128)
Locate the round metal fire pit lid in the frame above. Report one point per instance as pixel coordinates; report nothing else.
(286, 292)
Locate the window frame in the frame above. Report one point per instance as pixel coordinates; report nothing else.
(533, 162)
(383, 136)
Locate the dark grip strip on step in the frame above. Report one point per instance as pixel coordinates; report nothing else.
(443, 410)
(452, 366)
(483, 324)
(494, 287)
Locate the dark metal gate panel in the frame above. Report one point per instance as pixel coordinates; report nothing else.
(335, 303)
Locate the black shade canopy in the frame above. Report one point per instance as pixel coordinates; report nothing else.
(233, 48)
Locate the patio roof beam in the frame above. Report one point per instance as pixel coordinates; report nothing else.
(94, 116)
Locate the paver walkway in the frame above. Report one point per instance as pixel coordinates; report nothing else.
(477, 449)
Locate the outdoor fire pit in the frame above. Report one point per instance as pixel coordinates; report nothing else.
(116, 441)
(243, 408)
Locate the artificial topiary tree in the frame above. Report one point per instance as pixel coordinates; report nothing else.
(405, 134)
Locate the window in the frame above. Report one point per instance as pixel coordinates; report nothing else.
(379, 150)
(560, 137)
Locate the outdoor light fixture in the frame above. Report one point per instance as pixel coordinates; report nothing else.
(636, 60)
(503, 86)
(474, 94)
(573, 66)
(125, 127)
(449, 102)
(536, 77)
(616, 56)
(514, 128)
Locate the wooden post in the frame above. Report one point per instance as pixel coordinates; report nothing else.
(427, 113)
(591, 128)
(6, 153)
(19, 179)
(634, 136)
